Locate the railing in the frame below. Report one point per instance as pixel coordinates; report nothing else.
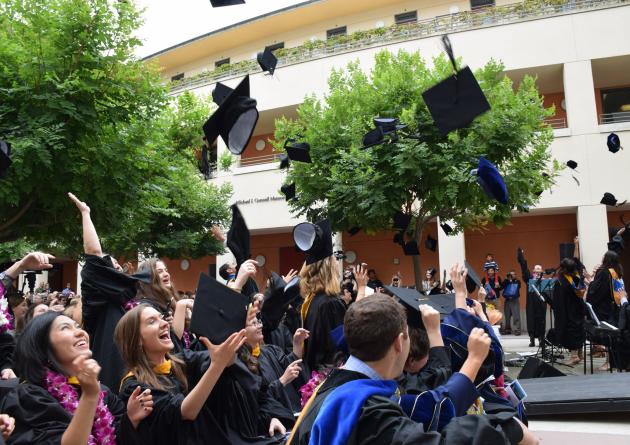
(556, 122)
(614, 118)
(462, 21)
(256, 160)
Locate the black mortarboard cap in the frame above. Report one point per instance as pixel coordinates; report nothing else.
(457, 100)
(298, 151)
(446, 228)
(219, 3)
(292, 290)
(613, 142)
(572, 164)
(410, 248)
(472, 279)
(219, 311)
(401, 220)
(288, 190)
(267, 60)
(430, 243)
(411, 299)
(609, 199)
(373, 137)
(284, 161)
(219, 94)
(5, 158)
(388, 124)
(354, 230)
(491, 181)
(315, 240)
(567, 250)
(235, 119)
(238, 237)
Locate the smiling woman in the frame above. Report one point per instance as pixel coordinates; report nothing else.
(61, 398)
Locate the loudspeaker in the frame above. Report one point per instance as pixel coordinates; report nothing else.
(535, 368)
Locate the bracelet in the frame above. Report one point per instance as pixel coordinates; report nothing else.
(7, 281)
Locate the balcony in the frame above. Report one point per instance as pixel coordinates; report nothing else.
(256, 160)
(614, 118)
(462, 21)
(556, 122)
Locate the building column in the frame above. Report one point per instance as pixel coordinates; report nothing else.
(78, 283)
(452, 249)
(592, 225)
(579, 94)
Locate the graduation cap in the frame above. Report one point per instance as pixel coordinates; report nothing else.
(315, 240)
(298, 151)
(491, 180)
(410, 248)
(267, 60)
(354, 230)
(219, 311)
(572, 164)
(430, 243)
(567, 250)
(610, 200)
(373, 137)
(220, 3)
(383, 126)
(284, 161)
(275, 303)
(472, 278)
(288, 190)
(446, 228)
(5, 158)
(457, 100)
(235, 119)
(238, 237)
(401, 220)
(292, 290)
(411, 299)
(614, 143)
(389, 125)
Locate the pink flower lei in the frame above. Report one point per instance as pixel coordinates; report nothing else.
(6, 319)
(103, 432)
(130, 304)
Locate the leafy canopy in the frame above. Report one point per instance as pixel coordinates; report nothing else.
(429, 176)
(84, 115)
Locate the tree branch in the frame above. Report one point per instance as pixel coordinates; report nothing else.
(17, 216)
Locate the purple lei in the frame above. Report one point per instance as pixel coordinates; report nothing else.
(307, 390)
(103, 432)
(130, 304)
(6, 319)
(186, 337)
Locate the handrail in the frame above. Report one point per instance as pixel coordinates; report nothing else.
(613, 118)
(256, 160)
(461, 21)
(556, 122)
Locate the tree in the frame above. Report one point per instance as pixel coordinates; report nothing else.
(84, 115)
(424, 174)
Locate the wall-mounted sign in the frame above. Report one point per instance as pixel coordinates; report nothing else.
(257, 200)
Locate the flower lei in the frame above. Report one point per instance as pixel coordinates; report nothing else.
(6, 319)
(186, 338)
(103, 432)
(307, 390)
(130, 304)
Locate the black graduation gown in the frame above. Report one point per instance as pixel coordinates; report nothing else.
(272, 362)
(568, 311)
(535, 308)
(104, 291)
(324, 314)
(41, 420)
(599, 295)
(281, 337)
(7, 348)
(436, 372)
(165, 424)
(382, 422)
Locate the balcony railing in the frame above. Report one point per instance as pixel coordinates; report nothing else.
(462, 21)
(614, 118)
(556, 122)
(256, 160)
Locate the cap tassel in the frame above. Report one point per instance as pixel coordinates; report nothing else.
(446, 41)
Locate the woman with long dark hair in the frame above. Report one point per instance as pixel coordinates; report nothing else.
(601, 290)
(569, 309)
(60, 399)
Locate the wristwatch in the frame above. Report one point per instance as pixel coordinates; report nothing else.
(6, 280)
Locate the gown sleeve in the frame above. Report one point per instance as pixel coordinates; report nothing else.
(436, 372)
(125, 432)
(7, 348)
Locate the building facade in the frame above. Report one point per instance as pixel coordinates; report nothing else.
(579, 50)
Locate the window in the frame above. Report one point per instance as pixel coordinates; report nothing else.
(477, 4)
(177, 77)
(406, 17)
(275, 46)
(221, 62)
(341, 31)
(615, 105)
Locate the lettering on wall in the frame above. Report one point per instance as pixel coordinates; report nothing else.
(257, 200)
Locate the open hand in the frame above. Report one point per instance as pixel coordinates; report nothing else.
(139, 405)
(275, 426)
(36, 261)
(289, 276)
(223, 355)
(83, 207)
(360, 274)
(458, 275)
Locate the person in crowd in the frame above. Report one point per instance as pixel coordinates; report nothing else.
(227, 271)
(396, 280)
(347, 293)
(536, 303)
(511, 304)
(74, 310)
(569, 310)
(60, 399)
(490, 263)
(35, 310)
(374, 282)
(18, 305)
(354, 405)
(492, 284)
(604, 292)
(431, 283)
(68, 290)
(282, 373)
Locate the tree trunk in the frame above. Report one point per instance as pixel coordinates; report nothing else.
(417, 269)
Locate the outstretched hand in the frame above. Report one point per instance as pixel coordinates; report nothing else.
(87, 370)
(82, 206)
(139, 405)
(360, 274)
(36, 261)
(223, 355)
(290, 275)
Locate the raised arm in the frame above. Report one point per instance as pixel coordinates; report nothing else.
(458, 280)
(91, 243)
(179, 318)
(520, 257)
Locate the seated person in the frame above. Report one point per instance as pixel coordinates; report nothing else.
(51, 405)
(355, 404)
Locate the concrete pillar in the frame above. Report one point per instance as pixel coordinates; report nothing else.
(452, 249)
(579, 93)
(592, 225)
(78, 283)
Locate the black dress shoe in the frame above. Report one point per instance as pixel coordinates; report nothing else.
(532, 344)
